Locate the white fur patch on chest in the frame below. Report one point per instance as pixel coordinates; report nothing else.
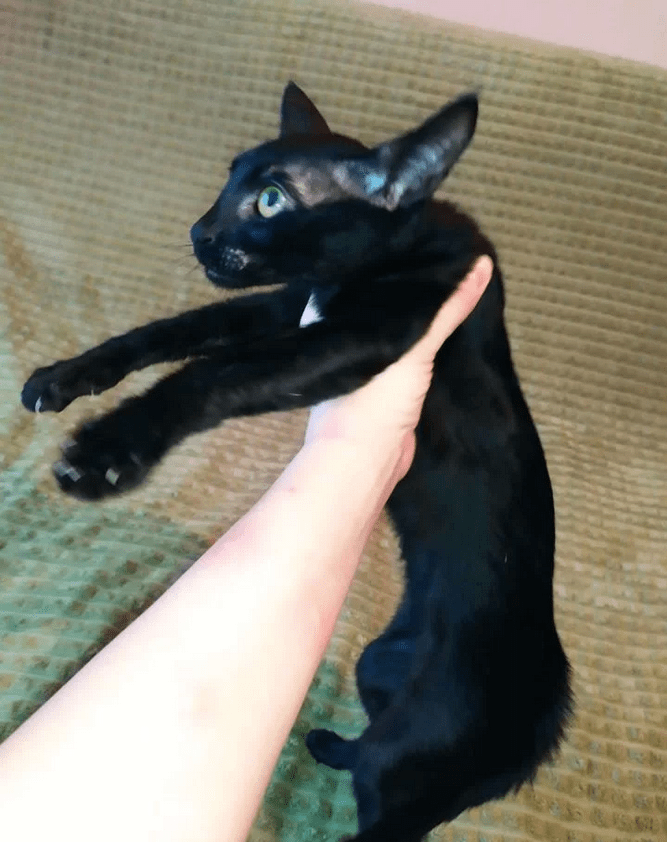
(310, 313)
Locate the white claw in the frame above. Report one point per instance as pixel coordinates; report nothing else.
(63, 469)
(38, 404)
(112, 476)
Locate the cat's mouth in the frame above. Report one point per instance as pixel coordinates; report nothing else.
(226, 278)
(227, 270)
(252, 273)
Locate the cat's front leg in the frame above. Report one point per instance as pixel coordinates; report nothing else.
(54, 387)
(111, 454)
(299, 368)
(194, 333)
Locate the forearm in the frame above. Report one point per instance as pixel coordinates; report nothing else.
(172, 732)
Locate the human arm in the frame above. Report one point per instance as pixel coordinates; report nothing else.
(172, 731)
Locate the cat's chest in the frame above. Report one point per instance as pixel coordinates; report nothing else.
(311, 312)
(319, 304)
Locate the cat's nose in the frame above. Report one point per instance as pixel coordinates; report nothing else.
(200, 233)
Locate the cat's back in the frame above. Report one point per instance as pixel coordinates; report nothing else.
(478, 489)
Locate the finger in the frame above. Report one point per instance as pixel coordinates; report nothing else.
(459, 305)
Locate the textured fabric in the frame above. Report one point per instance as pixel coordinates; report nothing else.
(118, 121)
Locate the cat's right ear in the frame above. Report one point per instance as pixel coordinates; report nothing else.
(298, 115)
(409, 168)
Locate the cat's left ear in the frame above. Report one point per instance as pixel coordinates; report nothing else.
(298, 114)
(410, 168)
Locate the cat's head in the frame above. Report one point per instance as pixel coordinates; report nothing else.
(318, 206)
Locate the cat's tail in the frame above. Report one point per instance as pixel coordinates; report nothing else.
(332, 750)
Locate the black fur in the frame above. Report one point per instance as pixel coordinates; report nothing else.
(467, 690)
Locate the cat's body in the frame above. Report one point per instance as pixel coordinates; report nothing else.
(467, 690)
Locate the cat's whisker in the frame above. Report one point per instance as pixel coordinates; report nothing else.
(185, 258)
(175, 245)
(191, 270)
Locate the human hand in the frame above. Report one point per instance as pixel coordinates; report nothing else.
(386, 410)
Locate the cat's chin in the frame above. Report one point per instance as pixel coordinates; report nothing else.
(239, 280)
(225, 279)
(214, 277)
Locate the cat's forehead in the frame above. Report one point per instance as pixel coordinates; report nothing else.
(296, 152)
(309, 166)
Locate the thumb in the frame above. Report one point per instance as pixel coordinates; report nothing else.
(458, 306)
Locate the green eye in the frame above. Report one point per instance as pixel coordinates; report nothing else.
(271, 201)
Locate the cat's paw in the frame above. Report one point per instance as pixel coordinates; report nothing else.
(52, 388)
(103, 458)
(331, 749)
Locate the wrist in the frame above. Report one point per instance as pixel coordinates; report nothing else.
(375, 464)
(320, 511)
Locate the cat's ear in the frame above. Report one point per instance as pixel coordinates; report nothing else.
(298, 115)
(410, 168)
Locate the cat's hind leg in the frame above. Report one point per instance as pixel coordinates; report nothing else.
(331, 749)
(383, 669)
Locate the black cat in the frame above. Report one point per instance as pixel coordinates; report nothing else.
(467, 690)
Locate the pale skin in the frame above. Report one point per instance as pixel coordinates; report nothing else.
(171, 733)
